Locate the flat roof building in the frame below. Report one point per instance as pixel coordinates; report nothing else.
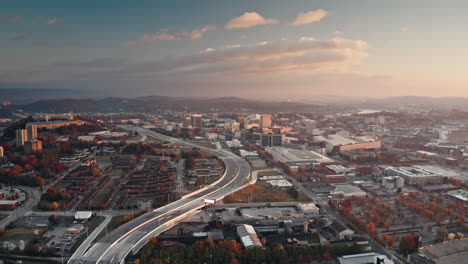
(415, 174)
(294, 157)
(347, 191)
(449, 252)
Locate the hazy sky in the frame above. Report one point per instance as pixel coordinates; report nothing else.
(289, 49)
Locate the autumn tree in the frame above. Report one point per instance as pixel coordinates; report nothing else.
(55, 205)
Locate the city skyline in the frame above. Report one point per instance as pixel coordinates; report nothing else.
(243, 48)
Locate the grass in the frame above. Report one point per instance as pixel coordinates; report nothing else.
(135, 138)
(115, 222)
(95, 222)
(61, 185)
(102, 158)
(20, 233)
(103, 194)
(151, 139)
(268, 173)
(261, 194)
(117, 173)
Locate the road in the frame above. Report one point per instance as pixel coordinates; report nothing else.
(130, 237)
(338, 217)
(33, 197)
(85, 245)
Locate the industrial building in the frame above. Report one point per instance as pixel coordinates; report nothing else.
(347, 191)
(248, 236)
(337, 143)
(449, 252)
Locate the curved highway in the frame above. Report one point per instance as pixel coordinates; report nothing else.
(130, 237)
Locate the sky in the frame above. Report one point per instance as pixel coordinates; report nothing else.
(295, 49)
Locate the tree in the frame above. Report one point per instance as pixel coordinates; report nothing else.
(55, 205)
(96, 172)
(53, 219)
(371, 228)
(52, 194)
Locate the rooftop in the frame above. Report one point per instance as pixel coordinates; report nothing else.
(459, 194)
(455, 251)
(294, 155)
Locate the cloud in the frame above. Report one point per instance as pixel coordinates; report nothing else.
(404, 29)
(10, 18)
(207, 50)
(338, 33)
(198, 33)
(304, 54)
(233, 46)
(310, 17)
(162, 35)
(248, 20)
(51, 21)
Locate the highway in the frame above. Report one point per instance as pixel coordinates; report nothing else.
(32, 199)
(130, 237)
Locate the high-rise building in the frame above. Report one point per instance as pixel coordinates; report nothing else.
(309, 126)
(1, 152)
(32, 132)
(21, 136)
(187, 122)
(271, 140)
(265, 121)
(196, 121)
(33, 146)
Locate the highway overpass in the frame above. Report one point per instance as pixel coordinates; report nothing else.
(132, 236)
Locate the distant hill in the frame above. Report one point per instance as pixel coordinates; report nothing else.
(155, 103)
(421, 101)
(29, 95)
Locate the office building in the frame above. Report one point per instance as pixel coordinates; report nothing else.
(21, 137)
(196, 121)
(308, 126)
(32, 131)
(265, 121)
(393, 182)
(415, 175)
(187, 122)
(271, 140)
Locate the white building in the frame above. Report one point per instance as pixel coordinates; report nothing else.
(280, 184)
(308, 208)
(393, 182)
(347, 191)
(248, 236)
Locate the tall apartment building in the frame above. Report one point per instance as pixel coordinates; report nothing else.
(32, 132)
(21, 136)
(196, 121)
(265, 121)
